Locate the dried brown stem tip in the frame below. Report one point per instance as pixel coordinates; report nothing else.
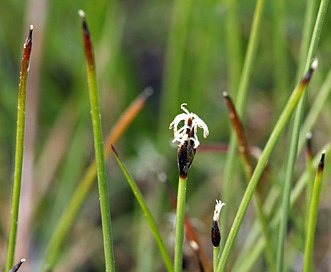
(309, 145)
(87, 40)
(17, 266)
(321, 163)
(27, 51)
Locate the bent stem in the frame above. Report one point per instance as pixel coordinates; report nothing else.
(99, 149)
(19, 150)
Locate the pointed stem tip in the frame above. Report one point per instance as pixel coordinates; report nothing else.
(308, 75)
(321, 163)
(17, 266)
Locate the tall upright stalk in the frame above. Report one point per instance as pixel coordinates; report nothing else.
(19, 150)
(279, 127)
(293, 146)
(99, 148)
(241, 96)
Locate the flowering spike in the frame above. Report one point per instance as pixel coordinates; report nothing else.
(191, 123)
(215, 229)
(186, 137)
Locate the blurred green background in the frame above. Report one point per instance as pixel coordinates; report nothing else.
(187, 51)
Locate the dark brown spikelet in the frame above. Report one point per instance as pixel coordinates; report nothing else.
(186, 154)
(215, 234)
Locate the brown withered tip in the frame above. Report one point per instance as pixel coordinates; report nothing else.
(321, 163)
(215, 234)
(113, 148)
(28, 40)
(309, 144)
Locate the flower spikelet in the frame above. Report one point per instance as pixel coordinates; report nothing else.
(186, 137)
(189, 130)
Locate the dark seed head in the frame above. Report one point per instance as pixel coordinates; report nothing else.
(186, 154)
(215, 234)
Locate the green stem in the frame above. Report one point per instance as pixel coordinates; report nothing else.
(248, 169)
(147, 213)
(279, 127)
(309, 167)
(67, 218)
(293, 150)
(19, 151)
(180, 213)
(99, 148)
(216, 251)
(307, 264)
(231, 159)
(255, 240)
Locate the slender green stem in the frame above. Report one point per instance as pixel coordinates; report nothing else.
(67, 218)
(307, 264)
(293, 149)
(216, 251)
(180, 213)
(248, 169)
(316, 108)
(306, 35)
(255, 240)
(310, 184)
(19, 151)
(99, 149)
(279, 127)
(242, 91)
(149, 217)
(281, 74)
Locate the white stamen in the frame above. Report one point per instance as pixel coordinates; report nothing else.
(180, 134)
(217, 211)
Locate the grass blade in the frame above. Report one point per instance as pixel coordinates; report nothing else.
(68, 216)
(19, 150)
(146, 211)
(240, 99)
(279, 127)
(293, 146)
(313, 216)
(99, 149)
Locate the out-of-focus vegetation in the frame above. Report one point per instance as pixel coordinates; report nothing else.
(187, 52)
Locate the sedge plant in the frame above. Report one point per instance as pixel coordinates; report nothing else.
(19, 150)
(99, 148)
